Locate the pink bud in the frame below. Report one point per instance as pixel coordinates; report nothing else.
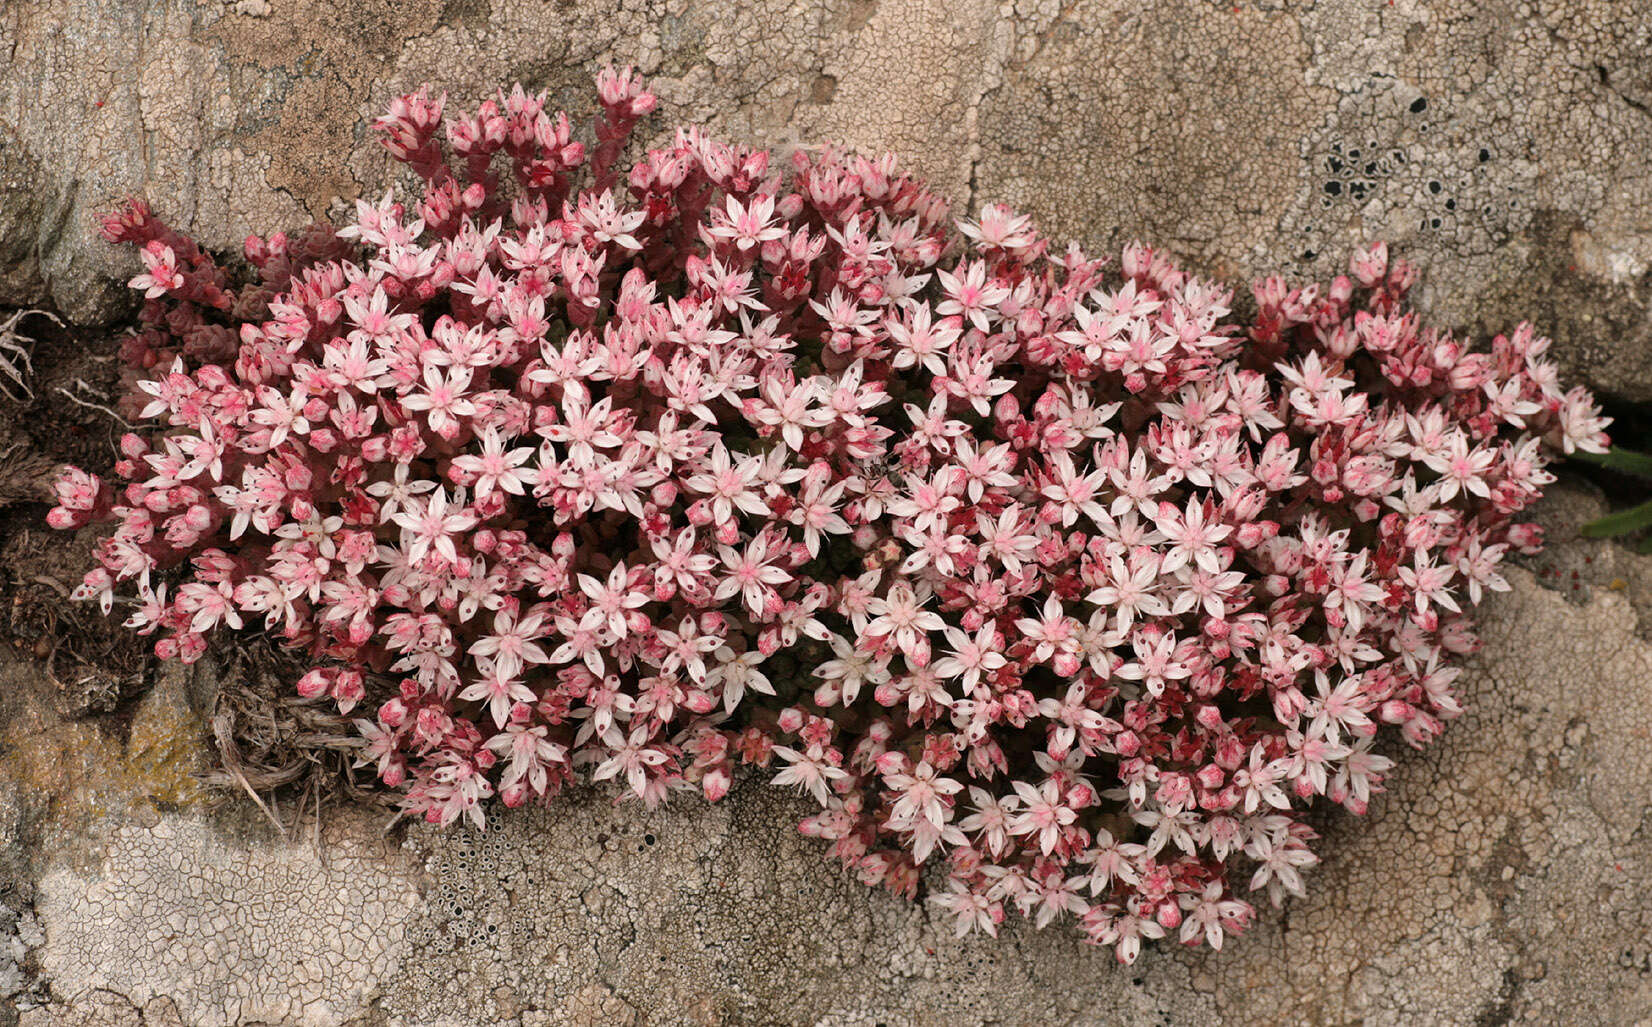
(348, 686)
(893, 763)
(716, 782)
(314, 682)
(1209, 717)
(1169, 915)
(1395, 711)
(191, 647)
(393, 774)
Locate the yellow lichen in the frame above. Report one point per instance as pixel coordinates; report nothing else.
(87, 772)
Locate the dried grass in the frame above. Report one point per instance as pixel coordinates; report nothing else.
(286, 752)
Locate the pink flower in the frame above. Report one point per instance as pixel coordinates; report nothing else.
(494, 468)
(747, 225)
(920, 341)
(901, 616)
(634, 759)
(160, 270)
(610, 600)
(513, 645)
(432, 527)
(751, 574)
(442, 399)
(1043, 813)
(810, 772)
(970, 658)
(729, 486)
(970, 295)
(499, 688)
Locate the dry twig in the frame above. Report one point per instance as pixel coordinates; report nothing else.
(15, 360)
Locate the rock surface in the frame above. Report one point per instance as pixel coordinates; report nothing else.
(1505, 877)
(1506, 147)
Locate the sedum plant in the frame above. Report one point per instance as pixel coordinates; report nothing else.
(1046, 577)
(1621, 522)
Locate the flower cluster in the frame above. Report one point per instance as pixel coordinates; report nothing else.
(1058, 581)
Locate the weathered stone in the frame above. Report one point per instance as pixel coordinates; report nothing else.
(1506, 876)
(1507, 148)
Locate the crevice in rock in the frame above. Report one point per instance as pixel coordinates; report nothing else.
(1606, 80)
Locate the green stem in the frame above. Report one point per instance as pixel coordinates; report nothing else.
(1626, 461)
(1620, 523)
